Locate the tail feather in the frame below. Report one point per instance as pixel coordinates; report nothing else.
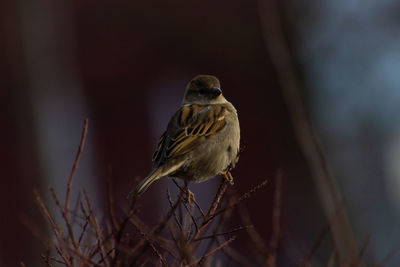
(145, 183)
(152, 177)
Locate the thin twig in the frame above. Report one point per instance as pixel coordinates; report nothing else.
(189, 212)
(331, 260)
(255, 236)
(217, 199)
(150, 238)
(66, 213)
(171, 232)
(121, 230)
(47, 260)
(211, 212)
(189, 218)
(330, 223)
(85, 261)
(75, 166)
(215, 239)
(364, 248)
(65, 217)
(389, 256)
(151, 243)
(56, 230)
(240, 228)
(317, 244)
(156, 230)
(87, 221)
(198, 261)
(111, 201)
(99, 234)
(242, 198)
(235, 255)
(199, 208)
(276, 227)
(171, 205)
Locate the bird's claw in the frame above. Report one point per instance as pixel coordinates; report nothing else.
(228, 177)
(190, 197)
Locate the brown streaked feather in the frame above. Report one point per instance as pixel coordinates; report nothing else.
(157, 153)
(188, 125)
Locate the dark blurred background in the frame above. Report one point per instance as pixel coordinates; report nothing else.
(125, 64)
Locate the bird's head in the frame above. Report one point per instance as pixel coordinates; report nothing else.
(204, 89)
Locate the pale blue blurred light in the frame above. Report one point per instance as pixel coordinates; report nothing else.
(59, 106)
(351, 54)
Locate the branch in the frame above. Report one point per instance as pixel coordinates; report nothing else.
(75, 166)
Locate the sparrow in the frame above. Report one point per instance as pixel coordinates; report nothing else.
(202, 137)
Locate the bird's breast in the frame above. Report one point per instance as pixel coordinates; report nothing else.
(214, 154)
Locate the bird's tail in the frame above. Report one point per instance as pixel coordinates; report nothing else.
(154, 176)
(145, 183)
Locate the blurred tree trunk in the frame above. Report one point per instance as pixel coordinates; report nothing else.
(330, 197)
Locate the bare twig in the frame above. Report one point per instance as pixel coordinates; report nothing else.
(171, 205)
(121, 229)
(66, 212)
(198, 261)
(330, 223)
(114, 245)
(190, 214)
(217, 228)
(242, 198)
(111, 201)
(211, 212)
(389, 256)
(199, 208)
(56, 230)
(317, 244)
(47, 260)
(99, 232)
(236, 256)
(259, 245)
(171, 232)
(151, 243)
(364, 248)
(237, 229)
(156, 230)
(217, 199)
(151, 238)
(75, 166)
(68, 223)
(331, 260)
(276, 228)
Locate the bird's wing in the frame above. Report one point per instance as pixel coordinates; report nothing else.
(189, 124)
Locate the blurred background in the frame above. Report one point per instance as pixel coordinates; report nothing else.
(124, 65)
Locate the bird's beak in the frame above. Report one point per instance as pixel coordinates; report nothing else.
(215, 91)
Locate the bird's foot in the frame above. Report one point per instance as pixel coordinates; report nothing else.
(189, 194)
(190, 197)
(228, 177)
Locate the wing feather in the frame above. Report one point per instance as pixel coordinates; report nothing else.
(189, 124)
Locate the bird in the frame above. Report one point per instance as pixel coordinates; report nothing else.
(202, 138)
